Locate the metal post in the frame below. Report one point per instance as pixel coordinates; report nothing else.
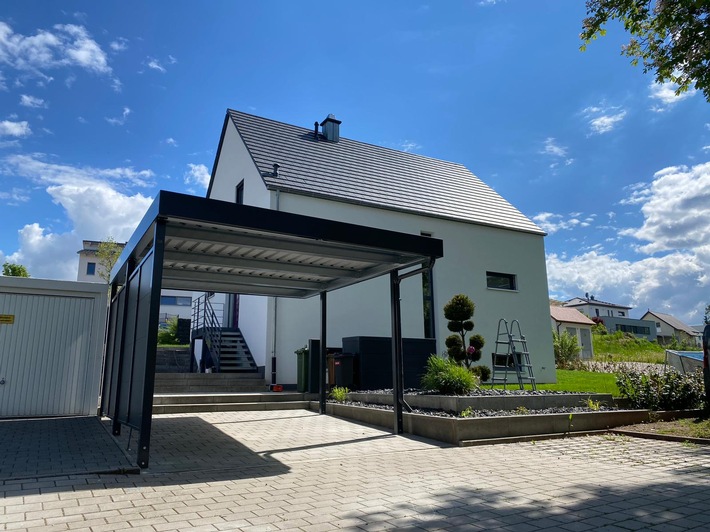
(397, 366)
(151, 344)
(323, 361)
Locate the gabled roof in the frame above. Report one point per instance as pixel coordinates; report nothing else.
(366, 174)
(674, 322)
(569, 315)
(588, 301)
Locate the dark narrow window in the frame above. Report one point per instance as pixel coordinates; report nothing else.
(240, 193)
(621, 314)
(91, 268)
(501, 281)
(428, 301)
(597, 311)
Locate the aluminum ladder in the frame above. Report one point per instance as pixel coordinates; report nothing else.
(511, 356)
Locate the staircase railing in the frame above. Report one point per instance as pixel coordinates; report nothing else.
(207, 325)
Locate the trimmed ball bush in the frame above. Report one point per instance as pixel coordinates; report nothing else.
(445, 376)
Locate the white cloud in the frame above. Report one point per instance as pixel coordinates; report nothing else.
(197, 174)
(551, 223)
(14, 129)
(603, 118)
(32, 101)
(552, 148)
(155, 65)
(171, 142)
(3, 85)
(14, 196)
(119, 121)
(81, 120)
(409, 146)
(65, 46)
(665, 94)
(119, 45)
(676, 209)
(97, 201)
(672, 274)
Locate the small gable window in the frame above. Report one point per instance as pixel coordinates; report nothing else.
(501, 281)
(240, 193)
(90, 268)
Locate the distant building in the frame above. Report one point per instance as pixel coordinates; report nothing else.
(614, 317)
(573, 322)
(594, 308)
(669, 328)
(173, 303)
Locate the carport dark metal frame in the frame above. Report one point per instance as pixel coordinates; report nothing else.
(191, 243)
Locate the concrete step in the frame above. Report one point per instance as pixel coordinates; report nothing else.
(229, 407)
(209, 382)
(194, 398)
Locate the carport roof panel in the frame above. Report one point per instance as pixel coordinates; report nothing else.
(218, 246)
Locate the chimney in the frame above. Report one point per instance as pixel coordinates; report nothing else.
(331, 128)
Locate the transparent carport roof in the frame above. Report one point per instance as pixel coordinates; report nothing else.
(191, 243)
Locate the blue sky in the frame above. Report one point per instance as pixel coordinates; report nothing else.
(102, 104)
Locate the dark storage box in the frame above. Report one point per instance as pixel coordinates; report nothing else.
(373, 363)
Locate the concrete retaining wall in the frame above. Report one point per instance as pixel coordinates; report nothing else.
(458, 430)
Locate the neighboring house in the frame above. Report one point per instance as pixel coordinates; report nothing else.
(172, 302)
(669, 328)
(492, 252)
(614, 317)
(594, 308)
(575, 323)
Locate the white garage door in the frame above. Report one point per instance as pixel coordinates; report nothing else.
(47, 361)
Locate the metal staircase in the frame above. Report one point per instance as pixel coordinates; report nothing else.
(511, 356)
(225, 350)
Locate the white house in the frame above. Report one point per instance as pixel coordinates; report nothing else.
(172, 302)
(573, 322)
(594, 308)
(492, 252)
(669, 328)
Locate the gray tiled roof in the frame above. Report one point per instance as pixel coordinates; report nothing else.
(674, 322)
(362, 173)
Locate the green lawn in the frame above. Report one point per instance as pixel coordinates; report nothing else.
(577, 381)
(622, 348)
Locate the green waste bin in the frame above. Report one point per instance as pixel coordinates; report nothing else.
(302, 371)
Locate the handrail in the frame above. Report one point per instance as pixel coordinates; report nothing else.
(206, 320)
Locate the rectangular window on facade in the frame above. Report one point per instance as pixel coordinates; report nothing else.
(501, 281)
(180, 301)
(622, 313)
(240, 193)
(597, 311)
(90, 268)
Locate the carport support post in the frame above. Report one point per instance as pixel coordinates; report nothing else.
(323, 350)
(156, 282)
(397, 379)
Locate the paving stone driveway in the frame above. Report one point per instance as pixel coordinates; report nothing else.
(296, 470)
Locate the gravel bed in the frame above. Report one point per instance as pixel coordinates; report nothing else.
(483, 413)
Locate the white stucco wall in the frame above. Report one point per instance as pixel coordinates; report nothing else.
(233, 165)
(469, 251)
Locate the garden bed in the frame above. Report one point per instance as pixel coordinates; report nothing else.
(496, 416)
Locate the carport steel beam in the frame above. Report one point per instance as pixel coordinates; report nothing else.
(227, 235)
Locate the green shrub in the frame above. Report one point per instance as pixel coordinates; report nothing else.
(339, 394)
(668, 390)
(482, 372)
(168, 336)
(566, 350)
(445, 376)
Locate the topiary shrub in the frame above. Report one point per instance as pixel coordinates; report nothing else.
(459, 311)
(445, 376)
(668, 390)
(482, 372)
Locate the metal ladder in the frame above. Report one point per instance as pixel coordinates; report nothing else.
(511, 356)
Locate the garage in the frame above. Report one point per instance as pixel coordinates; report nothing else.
(51, 343)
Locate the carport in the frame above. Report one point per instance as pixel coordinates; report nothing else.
(190, 243)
